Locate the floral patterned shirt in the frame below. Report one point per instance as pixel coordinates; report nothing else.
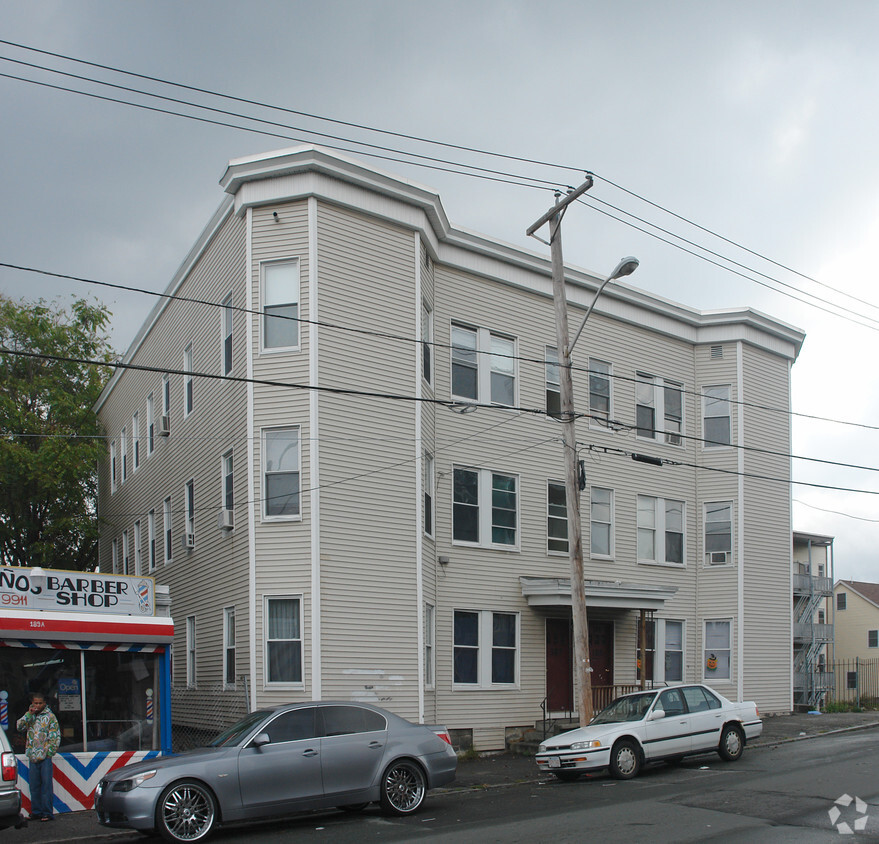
(43, 734)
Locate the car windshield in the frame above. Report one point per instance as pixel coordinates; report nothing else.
(237, 731)
(628, 708)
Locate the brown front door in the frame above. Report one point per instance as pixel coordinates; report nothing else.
(601, 652)
(559, 665)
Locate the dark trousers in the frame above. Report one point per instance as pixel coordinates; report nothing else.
(40, 780)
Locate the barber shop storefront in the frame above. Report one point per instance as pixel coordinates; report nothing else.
(97, 646)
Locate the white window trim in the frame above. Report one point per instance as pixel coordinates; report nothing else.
(224, 474)
(227, 646)
(114, 559)
(732, 544)
(167, 531)
(191, 654)
(429, 646)
(719, 446)
(484, 503)
(274, 350)
(294, 684)
(123, 453)
(135, 442)
(166, 395)
(550, 551)
(551, 360)
(188, 384)
(151, 425)
(189, 507)
(660, 530)
(114, 459)
(660, 650)
(138, 556)
(427, 342)
(659, 384)
(126, 553)
(227, 325)
(296, 517)
(484, 652)
(714, 680)
(612, 554)
(429, 494)
(483, 365)
(595, 423)
(152, 555)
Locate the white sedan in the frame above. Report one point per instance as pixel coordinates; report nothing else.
(661, 724)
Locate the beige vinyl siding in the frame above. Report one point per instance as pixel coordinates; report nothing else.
(193, 450)
(851, 626)
(369, 502)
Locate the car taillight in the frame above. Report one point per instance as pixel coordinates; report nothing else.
(9, 767)
(443, 733)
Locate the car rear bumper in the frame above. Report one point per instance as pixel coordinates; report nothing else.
(753, 729)
(10, 808)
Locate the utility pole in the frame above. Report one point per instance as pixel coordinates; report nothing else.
(567, 416)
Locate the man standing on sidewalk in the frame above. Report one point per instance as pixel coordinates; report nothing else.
(43, 738)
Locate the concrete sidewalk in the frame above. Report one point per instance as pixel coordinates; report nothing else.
(490, 771)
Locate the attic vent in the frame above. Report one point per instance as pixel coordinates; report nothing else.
(716, 352)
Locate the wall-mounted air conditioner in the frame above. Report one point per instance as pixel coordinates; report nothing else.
(226, 520)
(164, 426)
(188, 540)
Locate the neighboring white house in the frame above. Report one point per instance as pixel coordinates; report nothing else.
(333, 523)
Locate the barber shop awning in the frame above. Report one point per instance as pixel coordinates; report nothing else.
(545, 592)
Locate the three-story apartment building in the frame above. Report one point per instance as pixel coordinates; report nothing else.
(334, 440)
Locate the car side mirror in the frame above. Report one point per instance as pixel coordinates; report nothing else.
(260, 739)
(656, 715)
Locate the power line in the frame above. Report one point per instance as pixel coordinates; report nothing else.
(835, 512)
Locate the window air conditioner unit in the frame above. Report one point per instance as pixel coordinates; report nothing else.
(164, 426)
(188, 540)
(226, 520)
(718, 558)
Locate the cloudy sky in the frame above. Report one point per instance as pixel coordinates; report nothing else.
(755, 121)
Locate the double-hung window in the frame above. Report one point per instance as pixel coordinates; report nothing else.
(483, 366)
(600, 395)
(841, 600)
(601, 522)
(283, 640)
(229, 646)
(428, 481)
(166, 395)
(426, 343)
(226, 336)
(189, 494)
(126, 554)
(660, 530)
(556, 518)
(553, 383)
(716, 420)
(873, 638)
(280, 305)
(138, 561)
(113, 460)
(718, 649)
(718, 533)
(169, 545)
(115, 557)
(190, 651)
(227, 480)
(151, 425)
(659, 408)
(673, 639)
(664, 650)
(188, 387)
(151, 539)
(135, 440)
(429, 633)
(281, 473)
(484, 508)
(123, 447)
(485, 648)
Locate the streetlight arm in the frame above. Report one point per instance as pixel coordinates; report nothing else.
(625, 267)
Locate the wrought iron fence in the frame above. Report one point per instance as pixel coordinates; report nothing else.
(856, 682)
(199, 714)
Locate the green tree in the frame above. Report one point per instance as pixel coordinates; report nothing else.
(50, 439)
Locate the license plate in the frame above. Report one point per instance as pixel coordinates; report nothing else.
(555, 762)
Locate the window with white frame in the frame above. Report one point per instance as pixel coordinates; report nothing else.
(426, 342)
(169, 545)
(123, 450)
(429, 657)
(226, 336)
(228, 482)
(151, 539)
(873, 638)
(229, 646)
(718, 649)
(428, 481)
(660, 530)
(138, 561)
(188, 396)
(718, 533)
(189, 499)
(151, 425)
(113, 459)
(484, 508)
(556, 518)
(600, 394)
(601, 522)
(841, 601)
(166, 395)
(115, 556)
(485, 648)
(135, 439)
(281, 473)
(716, 420)
(659, 408)
(553, 383)
(126, 554)
(673, 658)
(190, 651)
(283, 643)
(280, 305)
(483, 366)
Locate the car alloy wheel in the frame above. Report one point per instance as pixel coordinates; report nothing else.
(186, 812)
(625, 760)
(403, 788)
(732, 744)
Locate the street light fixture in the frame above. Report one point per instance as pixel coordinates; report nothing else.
(567, 417)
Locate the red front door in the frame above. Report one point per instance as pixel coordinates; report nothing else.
(559, 665)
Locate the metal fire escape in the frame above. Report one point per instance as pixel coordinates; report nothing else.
(812, 634)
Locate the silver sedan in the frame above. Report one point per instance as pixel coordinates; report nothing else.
(278, 761)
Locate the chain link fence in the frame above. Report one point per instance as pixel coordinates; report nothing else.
(200, 714)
